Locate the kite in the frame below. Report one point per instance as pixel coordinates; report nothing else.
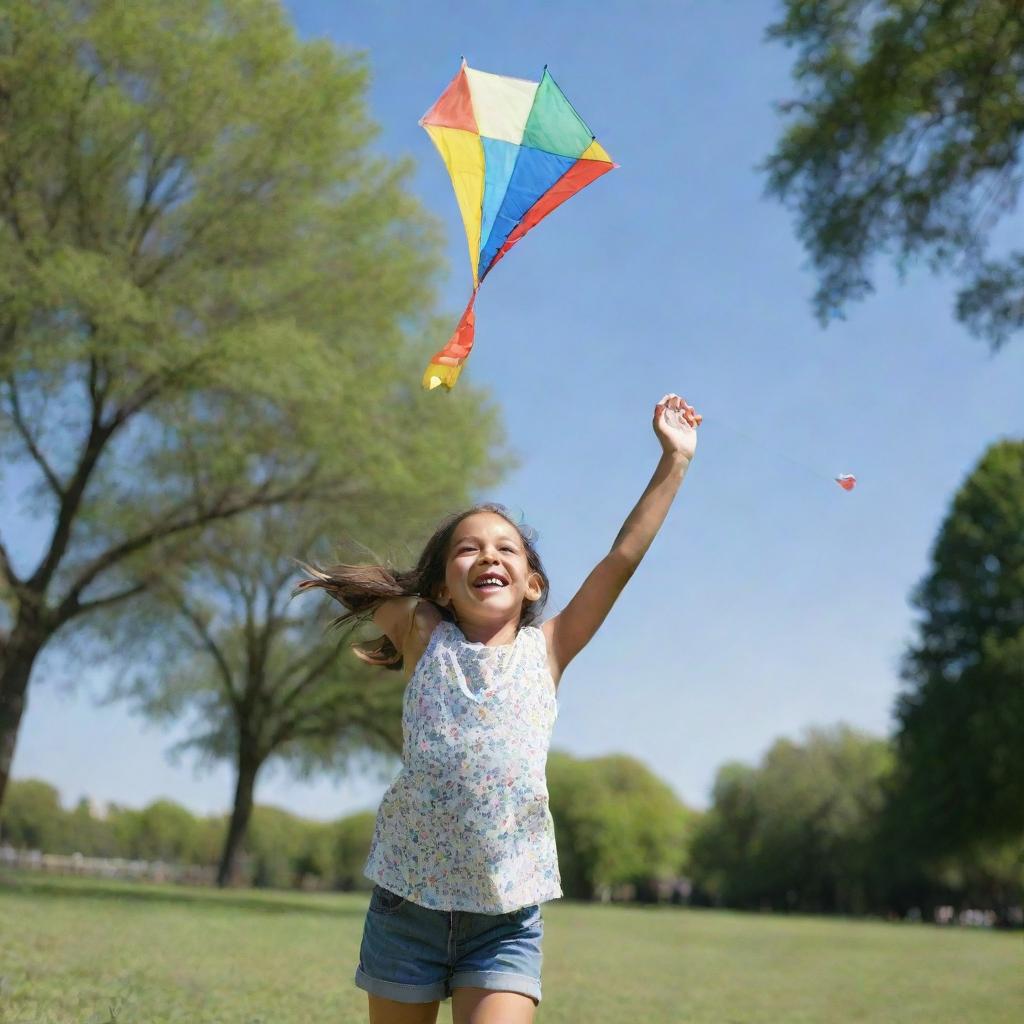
(515, 150)
(847, 481)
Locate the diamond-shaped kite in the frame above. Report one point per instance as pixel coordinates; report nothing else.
(515, 150)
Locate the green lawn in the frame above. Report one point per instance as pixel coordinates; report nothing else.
(84, 951)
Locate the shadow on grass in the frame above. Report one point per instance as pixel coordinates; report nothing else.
(256, 901)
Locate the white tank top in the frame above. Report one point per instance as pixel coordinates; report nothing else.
(466, 824)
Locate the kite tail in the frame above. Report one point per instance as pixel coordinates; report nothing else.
(445, 367)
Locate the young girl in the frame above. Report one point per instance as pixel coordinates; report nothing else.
(463, 851)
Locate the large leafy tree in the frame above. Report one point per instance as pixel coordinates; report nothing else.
(208, 286)
(616, 823)
(797, 832)
(725, 834)
(960, 779)
(905, 140)
(253, 671)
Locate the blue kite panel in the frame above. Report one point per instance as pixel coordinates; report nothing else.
(534, 173)
(499, 161)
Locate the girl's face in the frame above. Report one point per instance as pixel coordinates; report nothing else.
(487, 545)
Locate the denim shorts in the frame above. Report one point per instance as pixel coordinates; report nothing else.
(413, 954)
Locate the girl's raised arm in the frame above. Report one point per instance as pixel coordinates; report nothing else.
(675, 424)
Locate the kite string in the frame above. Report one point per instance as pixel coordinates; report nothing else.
(814, 470)
(780, 454)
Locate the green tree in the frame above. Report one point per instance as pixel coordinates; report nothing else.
(352, 838)
(220, 640)
(32, 817)
(960, 777)
(166, 831)
(314, 866)
(988, 875)
(905, 139)
(87, 834)
(255, 673)
(725, 833)
(209, 839)
(615, 823)
(277, 847)
(213, 297)
(799, 831)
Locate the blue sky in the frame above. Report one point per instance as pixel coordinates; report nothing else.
(771, 600)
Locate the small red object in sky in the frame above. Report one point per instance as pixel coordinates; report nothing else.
(847, 481)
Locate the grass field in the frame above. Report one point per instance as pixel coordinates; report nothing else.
(85, 951)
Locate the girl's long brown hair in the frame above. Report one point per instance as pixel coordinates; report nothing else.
(363, 588)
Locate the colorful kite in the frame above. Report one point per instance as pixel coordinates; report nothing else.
(847, 481)
(515, 150)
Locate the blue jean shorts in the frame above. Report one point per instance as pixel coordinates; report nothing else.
(413, 954)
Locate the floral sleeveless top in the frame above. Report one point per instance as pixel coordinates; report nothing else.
(466, 824)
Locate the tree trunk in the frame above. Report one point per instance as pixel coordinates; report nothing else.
(248, 765)
(15, 669)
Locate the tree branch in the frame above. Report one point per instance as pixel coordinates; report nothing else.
(288, 723)
(210, 646)
(7, 569)
(99, 435)
(121, 595)
(11, 214)
(261, 498)
(97, 391)
(273, 620)
(152, 386)
(34, 450)
(234, 201)
(70, 160)
(147, 215)
(369, 723)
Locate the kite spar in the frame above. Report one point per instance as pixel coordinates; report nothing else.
(515, 150)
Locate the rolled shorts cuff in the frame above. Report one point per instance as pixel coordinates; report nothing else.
(401, 993)
(498, 980)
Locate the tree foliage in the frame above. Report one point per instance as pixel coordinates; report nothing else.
(163, 830)
(961, 717)
(352, 839)
(214, 299)
(798, 831)
(615, 822)
(905, 140)
(253, 676)
(282, 850)
(33, 817)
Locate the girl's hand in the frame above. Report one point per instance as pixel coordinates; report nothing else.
(675, 424)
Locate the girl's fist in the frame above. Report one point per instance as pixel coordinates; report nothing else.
(675, 424)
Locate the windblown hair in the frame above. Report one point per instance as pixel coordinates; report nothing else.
(363, 588)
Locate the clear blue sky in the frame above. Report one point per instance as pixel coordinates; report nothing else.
(771, 600)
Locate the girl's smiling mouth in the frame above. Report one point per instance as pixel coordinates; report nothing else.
(489, 588)
(490, 581)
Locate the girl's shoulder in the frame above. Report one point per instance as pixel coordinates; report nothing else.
(402, 618)
(425, 618)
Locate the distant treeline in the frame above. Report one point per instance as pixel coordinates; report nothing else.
(806, 830)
